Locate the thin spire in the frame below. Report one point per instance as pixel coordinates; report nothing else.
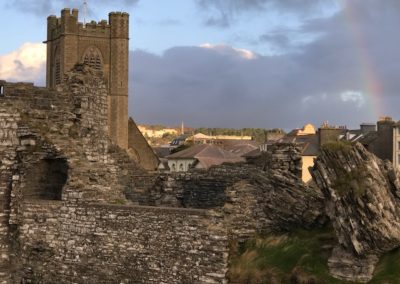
(84, 12)
(182, 128)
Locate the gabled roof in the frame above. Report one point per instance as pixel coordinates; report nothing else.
(207, 155)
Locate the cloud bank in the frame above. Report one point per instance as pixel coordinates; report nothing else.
(342, 75)
(27, 63)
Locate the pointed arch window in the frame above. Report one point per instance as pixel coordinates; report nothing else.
(93, 58)
(57, 67)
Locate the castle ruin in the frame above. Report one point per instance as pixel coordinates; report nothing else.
(103, 46)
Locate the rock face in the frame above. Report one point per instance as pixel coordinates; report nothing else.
(271, 202)
(362, 196)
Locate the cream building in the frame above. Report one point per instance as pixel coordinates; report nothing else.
(157, 133)
(307, 138)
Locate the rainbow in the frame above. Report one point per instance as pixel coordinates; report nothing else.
(374, 89)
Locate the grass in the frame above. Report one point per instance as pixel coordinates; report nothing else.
(276, 259)
(335, 146)
(353, 180)
(388, 269)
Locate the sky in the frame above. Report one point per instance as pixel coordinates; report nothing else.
(236, 63)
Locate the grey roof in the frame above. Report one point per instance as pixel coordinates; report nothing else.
(309, 143)
(369, 137)
(162, 152)
(207, 155)
(241, 149)
(253, 154)
(311, 146)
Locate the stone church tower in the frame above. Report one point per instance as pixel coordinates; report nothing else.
(104, 46)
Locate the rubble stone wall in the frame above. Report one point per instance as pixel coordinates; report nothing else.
(67, 243)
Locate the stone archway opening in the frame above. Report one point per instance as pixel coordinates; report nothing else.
(46, 179)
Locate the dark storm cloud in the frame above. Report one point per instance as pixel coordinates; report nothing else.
(222, 13)
(327, 80)
(45, 7)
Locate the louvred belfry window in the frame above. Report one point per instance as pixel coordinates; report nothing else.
(92, 57)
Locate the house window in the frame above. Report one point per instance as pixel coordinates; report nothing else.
(181, 167)
(1, 90)
(173, 168)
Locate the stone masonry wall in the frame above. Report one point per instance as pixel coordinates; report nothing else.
(207, 189)
(59, 173)
(64, 243)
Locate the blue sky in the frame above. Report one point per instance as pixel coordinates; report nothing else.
(235, 63)
(155, 25)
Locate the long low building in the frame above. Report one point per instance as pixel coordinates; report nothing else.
(200, 156)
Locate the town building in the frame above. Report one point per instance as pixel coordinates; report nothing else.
(156, 133)
(200, 138)
(201, 156)
(309, 141)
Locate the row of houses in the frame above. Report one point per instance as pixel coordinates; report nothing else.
(381, 138)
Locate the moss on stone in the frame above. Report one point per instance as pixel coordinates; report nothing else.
(352, 181)
(336, 146)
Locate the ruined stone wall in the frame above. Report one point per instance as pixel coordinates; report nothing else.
(57, 166)
(195, 189)
(64, 243)
(206, 188)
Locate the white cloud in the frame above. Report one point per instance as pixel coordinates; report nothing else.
(27, 63)
(229, 50)
(353, 96)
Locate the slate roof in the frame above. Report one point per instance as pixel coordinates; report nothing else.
(309, 143)
(368, 138)
(207, 155)
(162, 152)
(241, 149)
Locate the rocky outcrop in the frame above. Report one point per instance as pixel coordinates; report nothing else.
(271, 202)
(362, 197)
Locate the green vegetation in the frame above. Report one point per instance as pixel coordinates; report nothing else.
(336, 146)
(388, 269)
(283, 257)
(353, 180)
(301, 255)
(119, 201)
